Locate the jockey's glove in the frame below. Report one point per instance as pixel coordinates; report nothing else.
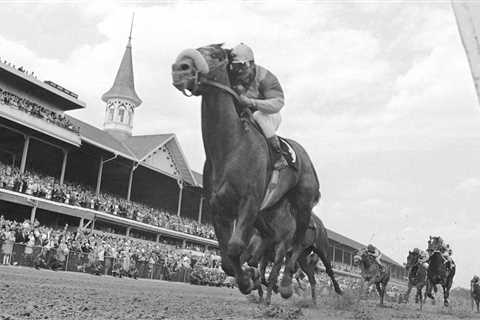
(246, 101)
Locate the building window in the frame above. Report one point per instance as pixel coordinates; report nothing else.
(111, 111)
(121, 114)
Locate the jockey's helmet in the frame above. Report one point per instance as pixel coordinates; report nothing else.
(242, 65)
(371, 248)
(475, 279)
(242, 53)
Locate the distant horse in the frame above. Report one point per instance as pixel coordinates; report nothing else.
(372, 273)
(438, 273)
(417, 277)
(274, 250)
(475, 294)
(238, 168)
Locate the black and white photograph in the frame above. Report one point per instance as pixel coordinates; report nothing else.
(256, 159)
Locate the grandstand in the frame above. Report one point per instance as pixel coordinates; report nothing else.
(57, 169)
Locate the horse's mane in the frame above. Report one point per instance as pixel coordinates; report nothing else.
(214, 54)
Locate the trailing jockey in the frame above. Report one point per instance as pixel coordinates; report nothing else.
(260, 91)
(443, 248)
(371, 250)
(422, 257)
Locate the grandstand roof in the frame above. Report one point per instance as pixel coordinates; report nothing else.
(335, 236)
(135, 148)
(198, 178)
(37, 87)
(141, 146)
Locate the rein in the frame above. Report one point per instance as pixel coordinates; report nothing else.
(200, 79)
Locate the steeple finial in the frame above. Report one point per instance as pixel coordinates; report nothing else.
(131, 28)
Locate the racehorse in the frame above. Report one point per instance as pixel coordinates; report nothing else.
(438, 273)
(475, 294)
(372, 273)
(274, 249)
(238, 168)
(417, 277)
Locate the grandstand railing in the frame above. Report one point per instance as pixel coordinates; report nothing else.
(81, 212)
(30, 256)
(37, 256)
(13, 114)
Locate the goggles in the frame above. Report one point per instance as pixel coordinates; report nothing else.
(239, 67)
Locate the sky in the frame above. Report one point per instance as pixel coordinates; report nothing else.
(379, 93)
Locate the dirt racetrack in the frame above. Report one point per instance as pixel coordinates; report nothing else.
(27, 293)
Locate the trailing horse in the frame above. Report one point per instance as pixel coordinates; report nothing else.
(275, 248)
(475, 294)
(417, 277)
(438, 273)
(372, 273)
(238, 168)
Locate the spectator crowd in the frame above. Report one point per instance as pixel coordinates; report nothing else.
(10, 99)
(38, 185)
(79, 249)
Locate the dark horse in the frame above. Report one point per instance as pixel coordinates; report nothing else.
(475, 294)
(438, 273)
(275, 248)
(417, 277)
(372, 273)
(237, 169)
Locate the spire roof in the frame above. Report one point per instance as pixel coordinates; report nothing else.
(124, 86)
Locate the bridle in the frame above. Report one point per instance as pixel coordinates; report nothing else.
(200, 79)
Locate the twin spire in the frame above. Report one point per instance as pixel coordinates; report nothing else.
(122, 99)
(124, 86)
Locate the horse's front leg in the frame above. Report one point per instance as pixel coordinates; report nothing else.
(246, 215)
(309, 269)
(223, 231)
(298, 248)
(406, 296)
(428, 291)
(273, 277)
(446, 293)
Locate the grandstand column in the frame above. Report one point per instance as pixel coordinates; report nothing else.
(32, 213)
(82, 221)
(24, 154)
(130, 180)
(99, 176)
(200, 210)
(180, 192)
(128, 232)
(64, 165)
(158, 238)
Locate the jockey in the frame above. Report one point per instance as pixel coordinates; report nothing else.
(475, 280)
(422, 257)
(260, 91)
(448, 256)
(374, 252)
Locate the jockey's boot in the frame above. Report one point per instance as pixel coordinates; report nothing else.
(278, 160)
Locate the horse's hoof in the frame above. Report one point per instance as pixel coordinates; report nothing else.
(245, 286)
(286, 292)
(445, 303)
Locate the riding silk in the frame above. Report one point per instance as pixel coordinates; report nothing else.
(266, 97)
